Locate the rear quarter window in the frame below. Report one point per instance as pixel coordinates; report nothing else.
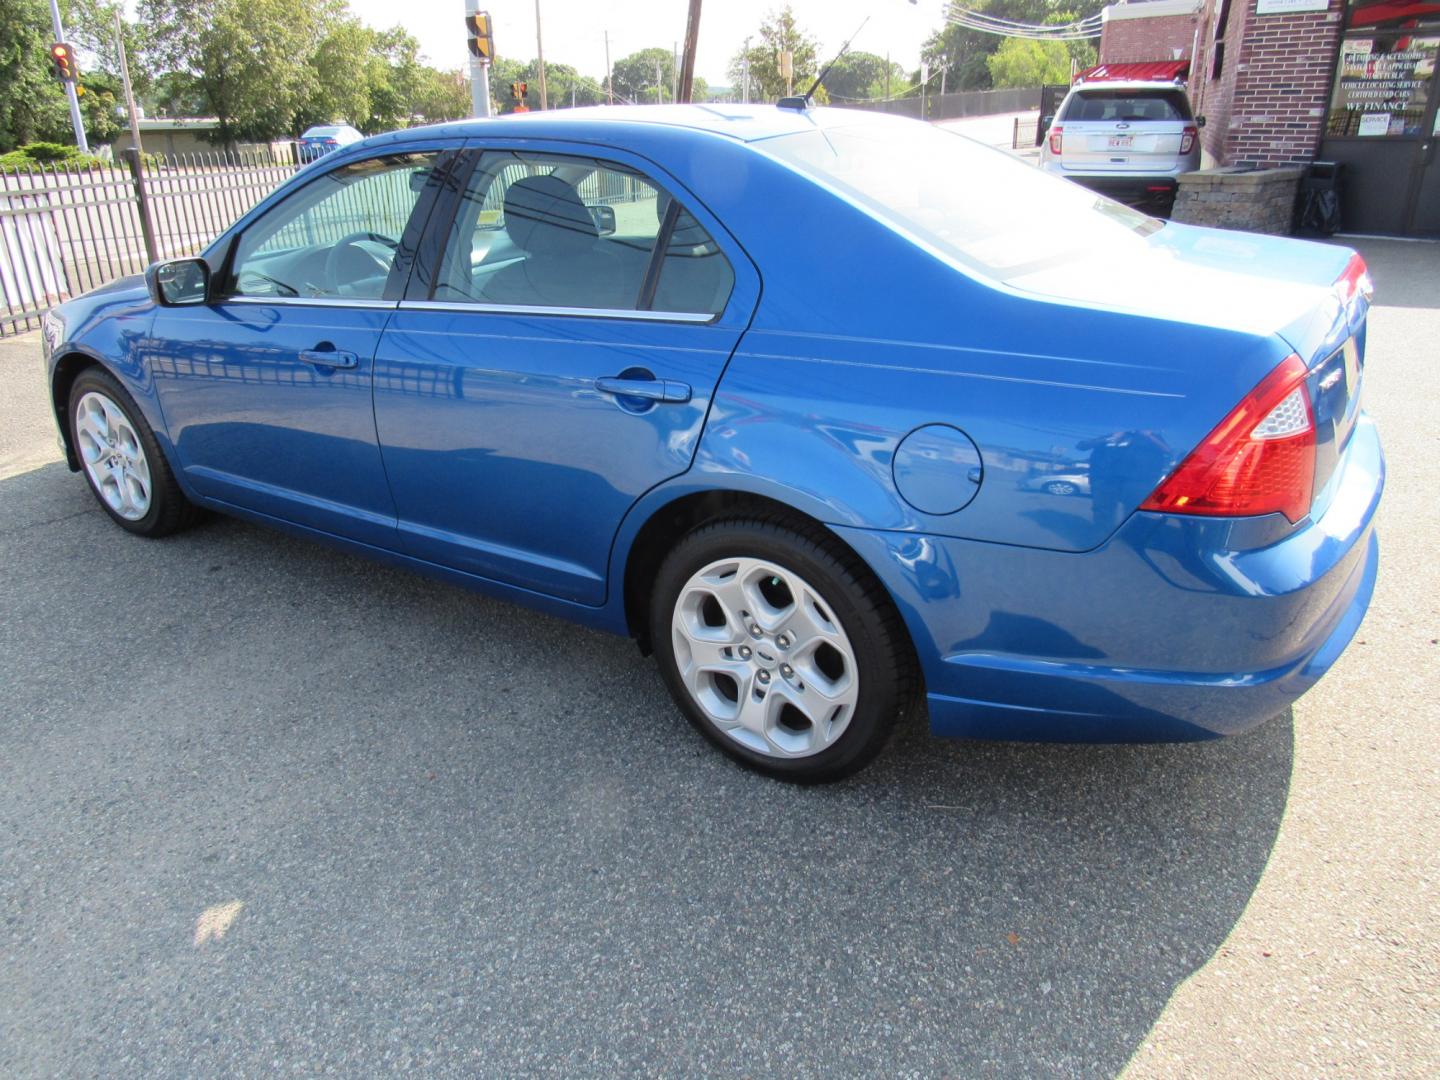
(1128, 105)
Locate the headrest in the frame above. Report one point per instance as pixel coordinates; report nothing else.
(544, 215)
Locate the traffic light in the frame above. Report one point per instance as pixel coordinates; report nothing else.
(62, 56)
(482, 42)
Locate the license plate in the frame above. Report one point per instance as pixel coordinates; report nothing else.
(1121, 142)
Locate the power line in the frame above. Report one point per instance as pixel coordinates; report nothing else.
(1079, 30)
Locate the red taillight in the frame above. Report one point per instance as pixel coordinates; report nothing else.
(1259, 460)
(1187, 139)
(332, 142)
(1056, 138)
(1355, 281)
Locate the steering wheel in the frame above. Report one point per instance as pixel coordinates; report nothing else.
(351, 250)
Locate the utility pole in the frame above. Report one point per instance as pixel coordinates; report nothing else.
(675, 71)
(125, 82)
(745, 75)
(887, 76)
(540, 54)
(687, 69)
(75, 121)
(659, 84)
(609, 73)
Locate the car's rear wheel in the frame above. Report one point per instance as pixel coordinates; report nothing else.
(122, 462)
(782, 652)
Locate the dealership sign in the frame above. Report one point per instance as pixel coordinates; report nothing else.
(1285, 7)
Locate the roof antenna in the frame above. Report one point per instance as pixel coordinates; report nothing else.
(803, 101)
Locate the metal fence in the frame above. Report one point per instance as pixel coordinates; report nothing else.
(64, 230)
(953, 106)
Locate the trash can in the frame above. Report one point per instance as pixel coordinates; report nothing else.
(1317, 203)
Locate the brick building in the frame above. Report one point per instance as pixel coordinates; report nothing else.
(1283, 82)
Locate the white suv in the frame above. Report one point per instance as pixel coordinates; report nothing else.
(1128, 140)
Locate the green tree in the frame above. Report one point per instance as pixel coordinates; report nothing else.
(248, 58)
(857, 76)
(29, 102)
(645, 77)
(100, 106)
(338, 83)
(1024, 62)
(175, 93)
(964, 53)
(440, 95)
(778, 33)
(33, 106)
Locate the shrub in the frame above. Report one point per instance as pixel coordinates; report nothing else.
(46, 153)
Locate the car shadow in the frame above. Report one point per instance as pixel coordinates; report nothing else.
(1404, 271)
(464, 837)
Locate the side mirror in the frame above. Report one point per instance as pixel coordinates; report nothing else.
(604, 217)
(1199, 121)
(1045, 122)
(179, 282)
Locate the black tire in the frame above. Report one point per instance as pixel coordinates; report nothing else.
(169, 510)
(883, 655)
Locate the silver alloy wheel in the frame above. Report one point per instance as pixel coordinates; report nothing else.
(113, 455)
(764, 658)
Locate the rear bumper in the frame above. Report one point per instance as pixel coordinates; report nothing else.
(1141, 191)
(1176, 628)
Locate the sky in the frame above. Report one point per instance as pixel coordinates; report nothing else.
(574, 30)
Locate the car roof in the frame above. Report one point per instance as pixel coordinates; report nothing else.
(745, 123)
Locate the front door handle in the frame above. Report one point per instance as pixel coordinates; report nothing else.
(667, 390)
(330, 358)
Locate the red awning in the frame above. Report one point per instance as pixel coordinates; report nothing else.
(1150, 71)
(1373, 12)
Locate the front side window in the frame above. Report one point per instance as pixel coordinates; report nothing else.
(555, 231)
(335, 237)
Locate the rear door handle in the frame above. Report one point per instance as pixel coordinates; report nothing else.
(667, 390)
(330, 358)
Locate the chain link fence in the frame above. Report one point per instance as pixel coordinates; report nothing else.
(65, 231)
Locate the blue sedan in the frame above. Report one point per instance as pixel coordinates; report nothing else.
(775, 391)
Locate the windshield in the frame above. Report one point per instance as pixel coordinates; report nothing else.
(976, 205)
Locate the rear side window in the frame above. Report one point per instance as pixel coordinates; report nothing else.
(970, 202)
(1128, 105)
(562, 232)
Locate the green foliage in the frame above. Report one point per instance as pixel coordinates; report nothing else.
(32, 105)
(645, 77)
(564, 86)
(858, 76)
(268, 69)
(964, 54)
(47, 153)
(1023, 62)
(779, 33)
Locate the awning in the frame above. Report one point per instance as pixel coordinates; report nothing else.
(1150, 71)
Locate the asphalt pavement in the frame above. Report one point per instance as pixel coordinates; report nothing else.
(268, 808)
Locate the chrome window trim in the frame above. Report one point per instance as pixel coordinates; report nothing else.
(312, 301)
(524, 309)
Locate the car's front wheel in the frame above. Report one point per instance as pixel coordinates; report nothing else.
(121, 460)
(779, 650)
